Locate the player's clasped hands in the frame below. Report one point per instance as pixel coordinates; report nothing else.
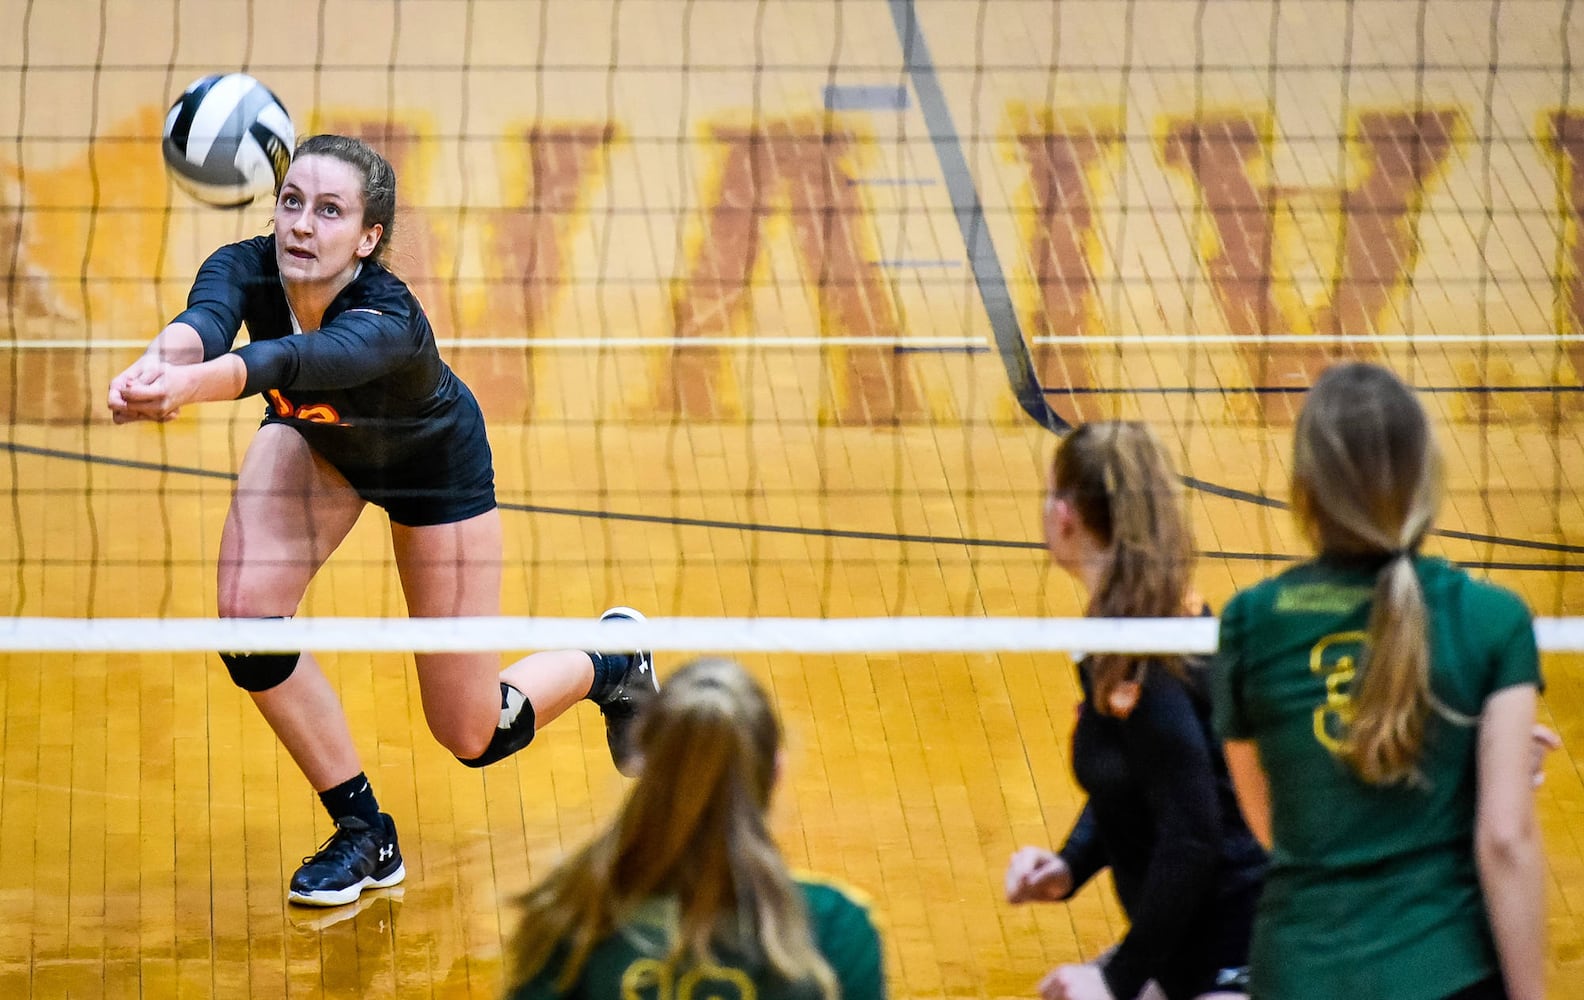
(149, 389)
(1036, 875)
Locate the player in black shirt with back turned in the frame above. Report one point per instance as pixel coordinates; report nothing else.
(361, 410)
(1161, 812)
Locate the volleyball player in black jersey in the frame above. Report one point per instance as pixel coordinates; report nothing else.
(361, 410)
(1161, 811)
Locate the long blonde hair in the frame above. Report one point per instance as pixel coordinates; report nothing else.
(1367, 482)
(692, 829)
(1121, 481)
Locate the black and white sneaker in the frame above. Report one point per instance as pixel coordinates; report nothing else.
(627, 696)
(356, 857)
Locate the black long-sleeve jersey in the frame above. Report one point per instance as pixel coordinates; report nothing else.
(368, 388)
(1163, 816)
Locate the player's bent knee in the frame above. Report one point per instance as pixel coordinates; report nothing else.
(258, 672)
(503, 744)
(464, 746)
(505, 740)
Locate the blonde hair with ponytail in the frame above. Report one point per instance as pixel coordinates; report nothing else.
(692, 829)
(1367, 482)
(1123, 486)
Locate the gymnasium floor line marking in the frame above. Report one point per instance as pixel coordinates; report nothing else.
(855, 534)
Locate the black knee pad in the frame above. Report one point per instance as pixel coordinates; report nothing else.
(510, 739)
(259, 671)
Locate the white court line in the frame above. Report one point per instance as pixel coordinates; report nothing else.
(921, 343)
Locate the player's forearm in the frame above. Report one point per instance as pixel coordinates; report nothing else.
(214, 381)
(1512, 876)
(177, 344)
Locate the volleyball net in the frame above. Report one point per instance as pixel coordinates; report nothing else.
(776, 308)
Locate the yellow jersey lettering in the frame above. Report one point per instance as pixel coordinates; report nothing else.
(715, 982)
(647, 979)
(654, 979)
(1336, 659)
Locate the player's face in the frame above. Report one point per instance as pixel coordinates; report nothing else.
(319, 231)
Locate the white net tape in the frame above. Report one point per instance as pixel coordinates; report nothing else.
(742, 635)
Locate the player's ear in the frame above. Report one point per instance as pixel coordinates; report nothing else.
(371, 238)
(1068, 513)
(1060, 515)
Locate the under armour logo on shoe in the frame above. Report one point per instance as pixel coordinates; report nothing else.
(387, 852)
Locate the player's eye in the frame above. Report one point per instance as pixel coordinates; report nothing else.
(331, 210)
(289, 201)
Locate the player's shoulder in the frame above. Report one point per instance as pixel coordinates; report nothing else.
(253, 257)
(828, 898)
(1451, 588)
(377, 289)
(1257, 597)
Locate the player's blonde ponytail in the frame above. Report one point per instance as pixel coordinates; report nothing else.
(1367, 482)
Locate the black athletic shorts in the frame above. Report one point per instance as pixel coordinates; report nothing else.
(450, 478)
(444, 488)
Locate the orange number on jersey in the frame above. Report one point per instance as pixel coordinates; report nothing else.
(318, 413)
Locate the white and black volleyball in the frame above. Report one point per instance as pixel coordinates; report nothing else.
(228, 140)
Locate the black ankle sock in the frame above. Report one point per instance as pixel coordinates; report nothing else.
(353, 797)
(608, 670)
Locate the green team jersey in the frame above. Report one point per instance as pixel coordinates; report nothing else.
(1372, 891)
(633, 963)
